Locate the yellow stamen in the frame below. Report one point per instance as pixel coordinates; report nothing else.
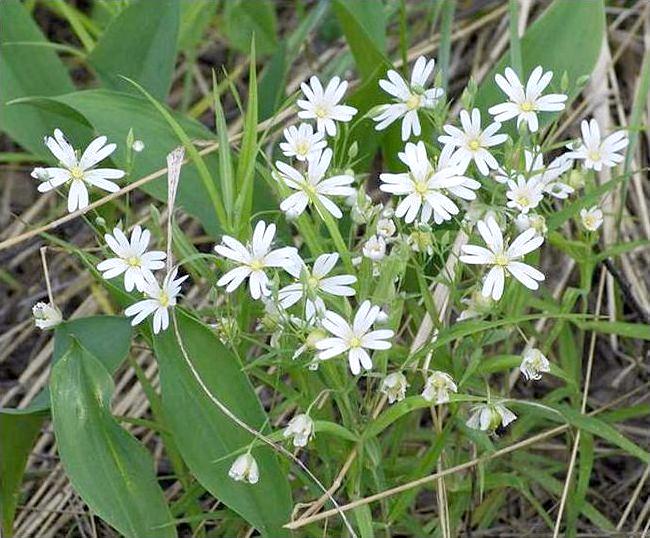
(413, 101)
(355, 342)
(501, 260)
(474, 144)
(163, 300)
(76, 172)
(312, 282)
(320, 111)
(302, 148)
(133, 261)
(421, 187)
(523, 200)
(256, 265)
(527, 106)
(594, 156)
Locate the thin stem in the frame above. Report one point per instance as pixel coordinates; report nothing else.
(48, 284)
(515, 45)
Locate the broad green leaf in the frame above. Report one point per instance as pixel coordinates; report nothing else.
(18, 432)
(364, 26)
(559, 42)
(109, 469)
(247, 18)
(28, 70)
(196, 16)
(205, 434)
(140, 43)
(109, 339)
(113, 114)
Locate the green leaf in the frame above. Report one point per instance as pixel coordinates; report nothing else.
(29, 70)
(601, 429)
(113, 114)
(364, 27)
(629, 330)
(247, 18)
(18, 432)
(553, 41)
(109, 469)
(140, 43)
(205, 434)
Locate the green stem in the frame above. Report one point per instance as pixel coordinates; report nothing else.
(515, 45)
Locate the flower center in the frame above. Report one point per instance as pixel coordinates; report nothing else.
(594, 156)
(302, 148)
(474, 145)
(421, 187)
(256, 265)
(501, 260)
(133, 261)
(320, 111)
(590, 222)
(312, 283)
(523, 200)
(413, 102)
(76, 172)
(527, 106)
(163, 299)
(355, 342)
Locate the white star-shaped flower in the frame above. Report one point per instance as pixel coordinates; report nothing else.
(503, 259)
(423, 186)
(314, 283)
(471, 143)
(591, 218)
(525, 103)
(158, 302)
(76, 171)
(437, 388)
(301, 428)
(132, 260)
(302, 142)
(488, 417)
(354, 339)
(254, 259)
(534, 364)
(245, 469)
(409, 98)
(323, 105)
(597, 153)
(311, 185)
(523, 194)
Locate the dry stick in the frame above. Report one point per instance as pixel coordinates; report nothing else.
(634, 498)
(452, 470)
(48, 284)
(583, 408)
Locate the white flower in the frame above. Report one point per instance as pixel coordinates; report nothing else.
(375, 248)
(353, 339)
(323, 105)
(302, 141)
(314, 283)
(488, 417)
(477, 305)
(301, 428)
(531, 220)
(409, 98)
(254, 258)
(423, 187)
(534, 364)
(46, 316)
(137, 146)
(394, 386)
(471, 144)
(77, 171)
(386, 227)
(132, 258)
(159, 300)
(523, 194)
(503, 258)
(437, 388)
(592, 218)
(311, 186)
(245, 469)
(525, 103)
(596, 153)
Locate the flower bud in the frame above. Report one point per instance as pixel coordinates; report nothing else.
(301, 428)
(46, 316)
(394, 386)
(245, 469)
